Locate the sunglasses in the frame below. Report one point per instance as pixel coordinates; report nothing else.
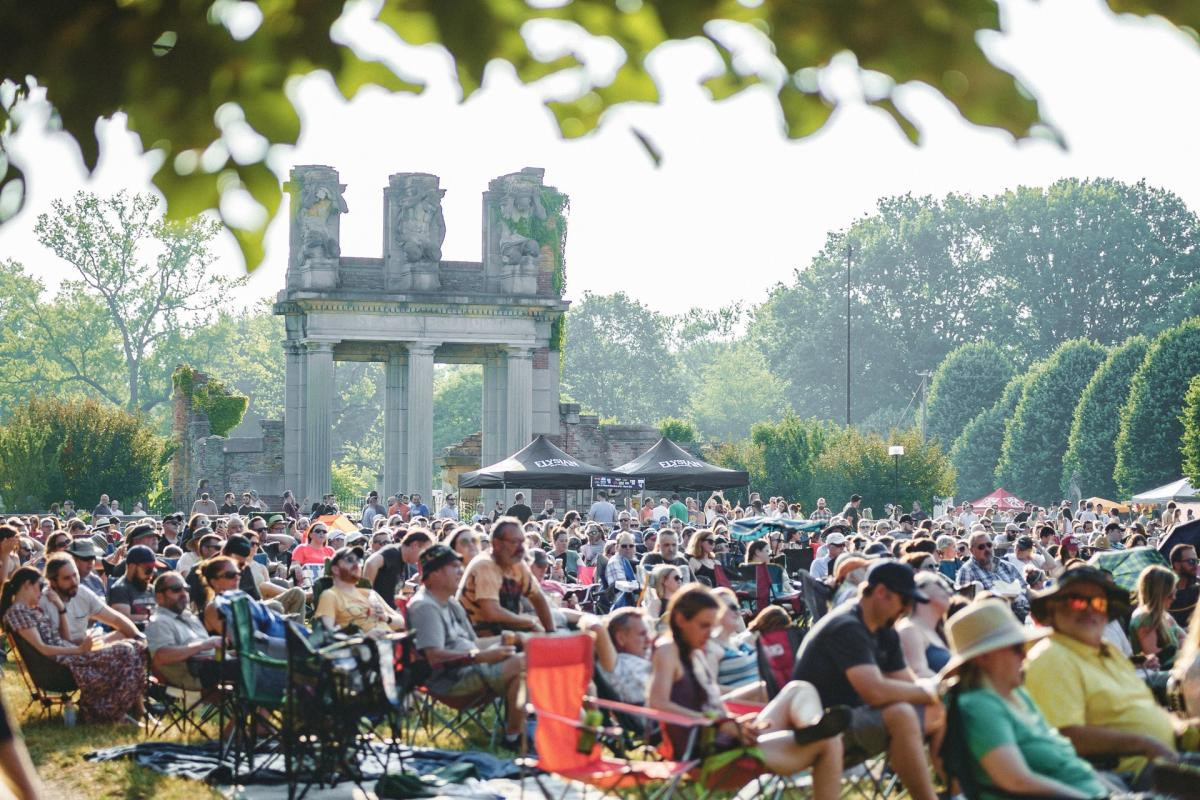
(173, 589)
(1079, 603)
(228, 575)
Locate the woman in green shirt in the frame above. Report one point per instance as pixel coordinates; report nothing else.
(1012, 747)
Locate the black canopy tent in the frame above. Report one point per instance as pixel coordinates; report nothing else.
(537, 465)
(666, 465)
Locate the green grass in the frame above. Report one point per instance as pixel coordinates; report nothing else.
(57, 752)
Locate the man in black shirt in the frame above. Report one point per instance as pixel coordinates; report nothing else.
(229, 506)
(392, 565)
(518, 509)
(853, 658)
(850, 511)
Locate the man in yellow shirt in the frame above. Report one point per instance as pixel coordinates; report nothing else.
(1086, 687)
(346, 603)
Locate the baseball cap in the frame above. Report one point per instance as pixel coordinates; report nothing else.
(835, 538)
(144, 529)
(435, 557)
(140, 554)
(896, 577)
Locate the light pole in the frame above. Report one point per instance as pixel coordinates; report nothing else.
(895, 451)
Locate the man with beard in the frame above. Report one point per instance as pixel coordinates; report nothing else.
(131, 595)
(852, 656)
(345, 603)
(174, 635)
(64, 596)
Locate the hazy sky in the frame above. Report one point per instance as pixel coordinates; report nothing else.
(735, 207)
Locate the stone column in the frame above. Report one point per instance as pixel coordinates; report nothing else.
(318, 418)
(495, 440)
(293, 414)
(395, 407)
(420, 420)
(519, 397)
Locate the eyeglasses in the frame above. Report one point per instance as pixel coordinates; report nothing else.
(1079, 603)
(1191, 562)
(983, 546)
(349, 561)
(227, 575)
(929, 565)
(173, 589)
(624, 546)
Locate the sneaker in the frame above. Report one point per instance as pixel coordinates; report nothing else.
(834, 721)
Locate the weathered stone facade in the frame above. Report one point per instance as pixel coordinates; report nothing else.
(230, 464)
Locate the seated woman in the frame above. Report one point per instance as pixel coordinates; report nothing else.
(700, 552)
(661, 584)
(1153, 631)
(111, 676)
(759, 552)
(731, 655)
(1012, 747)
(791, 732)
(920, 631)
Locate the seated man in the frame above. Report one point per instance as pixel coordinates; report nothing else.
(130, 595)
(984, 568)
(175, 636)
(346, 603)
(1086, 688)
(854, 658)
(631, 638)
(495, 582)
(71, 607)
(464, 665)
(83, 552)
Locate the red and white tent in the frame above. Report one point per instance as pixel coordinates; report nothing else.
(1001, 501)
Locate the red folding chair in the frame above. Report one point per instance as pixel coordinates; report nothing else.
(777, 657)
(558, 670)
(586, 575)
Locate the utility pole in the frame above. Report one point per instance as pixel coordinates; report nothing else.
(849, 256)
(925, 376)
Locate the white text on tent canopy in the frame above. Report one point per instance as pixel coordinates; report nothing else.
(682, 464)
(555, 462)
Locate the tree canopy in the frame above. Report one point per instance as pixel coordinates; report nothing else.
(1035, 440)
(1024, 270)
(968, 381)
(191, 75)
(1190, 418)
(1097, 420)
(976, 451)
(1150, 431)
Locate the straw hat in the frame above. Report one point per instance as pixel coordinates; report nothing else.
(982, 627)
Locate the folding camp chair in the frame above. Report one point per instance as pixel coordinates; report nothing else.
(816, 593)
(50, 684)
(557, 672)
(258, 687)
(185, 711)
(777, 656)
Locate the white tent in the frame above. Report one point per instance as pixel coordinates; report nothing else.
(1180, 491)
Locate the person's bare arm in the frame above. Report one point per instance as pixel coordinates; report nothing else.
(913, 644)
(371, 567)
(18, 769)
(174, 655)
(34, 638)
(490, 610)
(114, 619)
(1007, 769)
(606, 652)
(542, 606)
(1093, 740)
(491, 654)
(877, 689)
(1147, 637)
(663, 666)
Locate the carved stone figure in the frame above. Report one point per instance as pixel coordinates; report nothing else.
(319, 205)
(419, 228)
(522, 203)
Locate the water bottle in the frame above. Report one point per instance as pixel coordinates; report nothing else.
(587, 735)
(69, 714)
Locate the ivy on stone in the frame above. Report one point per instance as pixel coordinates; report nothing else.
(223, 407)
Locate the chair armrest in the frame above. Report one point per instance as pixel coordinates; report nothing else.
(667, 717)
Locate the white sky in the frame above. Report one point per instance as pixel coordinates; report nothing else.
(734, 207)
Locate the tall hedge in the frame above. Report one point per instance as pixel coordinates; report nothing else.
(966, 383)
(1190, 450)
(976, 451)
(54, 450)
(1036, 439)
(1097, 420)
(1150, 432)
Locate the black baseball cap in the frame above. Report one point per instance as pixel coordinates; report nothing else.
(141, 554)
(896, 577)
(435, 557)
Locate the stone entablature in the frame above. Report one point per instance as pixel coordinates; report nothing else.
(409, 309)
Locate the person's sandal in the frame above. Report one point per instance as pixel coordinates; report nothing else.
(835, 720)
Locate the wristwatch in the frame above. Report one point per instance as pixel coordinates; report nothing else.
(473, 654)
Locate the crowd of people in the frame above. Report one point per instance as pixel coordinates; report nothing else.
(982, 635)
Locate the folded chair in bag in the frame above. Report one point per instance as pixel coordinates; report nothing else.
(50, 684)
(338, 695)
(258, 686)
(557, 672)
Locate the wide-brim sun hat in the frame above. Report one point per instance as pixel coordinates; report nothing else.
(1118, 598)
(984, 626)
